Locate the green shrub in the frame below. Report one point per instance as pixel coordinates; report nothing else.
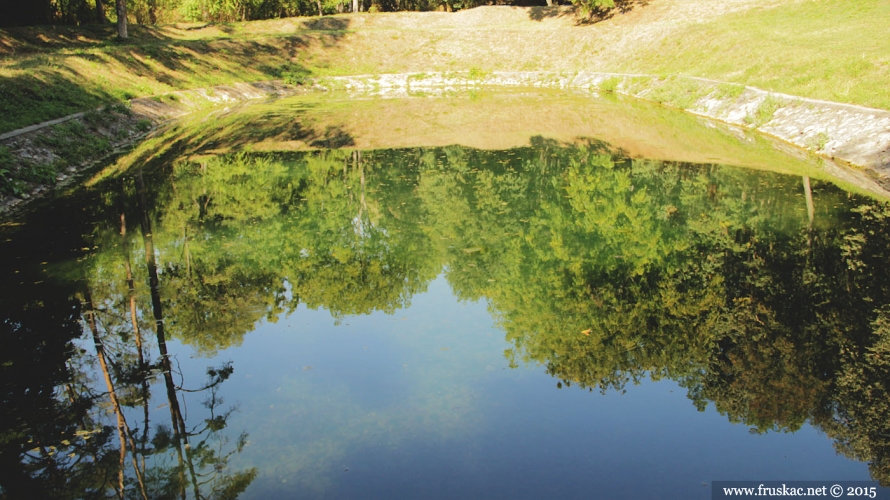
(13, 179)
(818, 142)
(43, 173)
(729, 90)
(765, 111)
(590, 7)
(143, 125)
(73, 143)
(94, 118)
(477, 74)
(119, 108)
(6, 161)
(610, 84)
(294, 74)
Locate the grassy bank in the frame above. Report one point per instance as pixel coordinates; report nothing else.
(831, 50)
(77, 70)
(827, 49)
(54, 153)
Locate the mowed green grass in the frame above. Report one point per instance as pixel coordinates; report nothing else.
(824, 49)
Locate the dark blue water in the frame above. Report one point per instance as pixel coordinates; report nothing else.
(410, 420)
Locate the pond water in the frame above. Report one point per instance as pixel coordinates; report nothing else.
(272, 303)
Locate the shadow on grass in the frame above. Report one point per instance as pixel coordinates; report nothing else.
(47, 87)
(539, 13)
(594, 16)
(233, 132)
(333, 138)
(30, 39)
(621, 7)
(39, 96)
(327, 23)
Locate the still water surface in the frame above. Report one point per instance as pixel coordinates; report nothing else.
(554, 320)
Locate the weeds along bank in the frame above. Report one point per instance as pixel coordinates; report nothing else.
(53, 154)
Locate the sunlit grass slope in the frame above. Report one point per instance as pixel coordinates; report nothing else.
(825, 49)
(48, 74)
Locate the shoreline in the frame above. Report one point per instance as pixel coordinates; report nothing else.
(853, 140)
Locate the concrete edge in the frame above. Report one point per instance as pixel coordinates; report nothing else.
(38, 126)
(856, 135)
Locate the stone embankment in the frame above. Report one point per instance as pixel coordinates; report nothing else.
(853, 135)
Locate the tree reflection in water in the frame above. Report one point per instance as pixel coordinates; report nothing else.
(766, 295)
(58, 442)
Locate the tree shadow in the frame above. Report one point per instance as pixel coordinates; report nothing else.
(333, 138)
(50, 88)
(8, 45)
(621, 7)
(30, 39)
(327, 23)
(539, 13)
(48, 95)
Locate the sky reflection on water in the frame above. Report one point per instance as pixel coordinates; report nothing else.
(409, 419)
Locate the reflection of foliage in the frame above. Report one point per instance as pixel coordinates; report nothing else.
(59, 440)
(861, 426)
(357, 253)
(605, 269)
(239, 233)
(206, 452)
(597, 246)
(860, 423)
(613, 270)
(220, 279)
(39, 430)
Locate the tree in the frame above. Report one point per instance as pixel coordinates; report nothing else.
(122, 19)
(100, 12)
